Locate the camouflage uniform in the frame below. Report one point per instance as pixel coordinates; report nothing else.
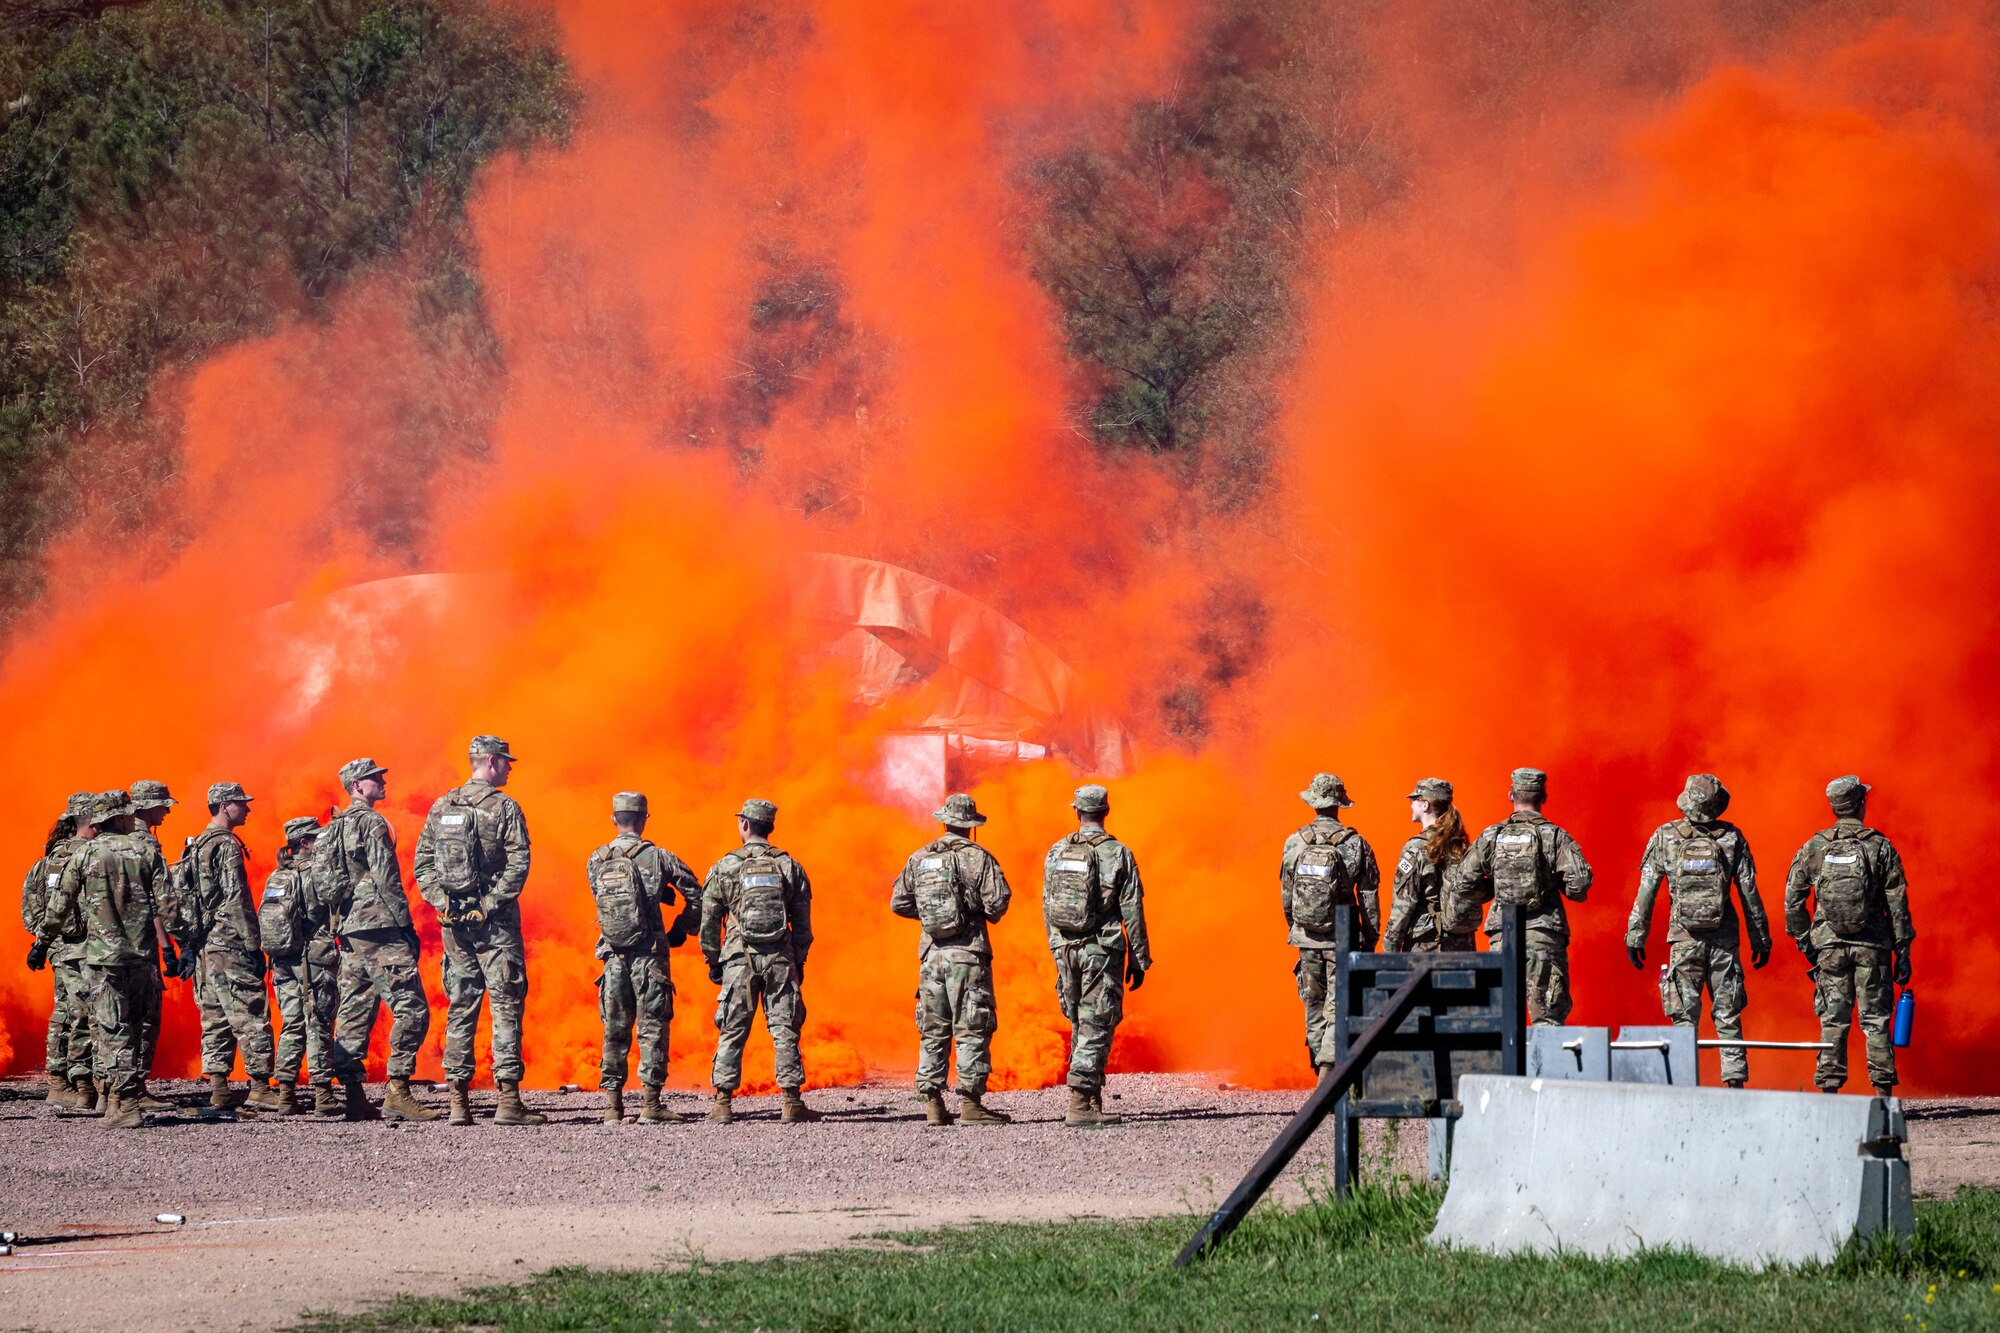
(67, 1050)
(1091, 964)
(305, 978)
(1702, 958)
(485, 956)
(109, 882)
(955, 998)
(358, 884)
(1545, 921)
(1315, 967)
(150, 795)
(1416, 901)
(229, 978)
(770, 974)
(1853, 964)
(636, 990)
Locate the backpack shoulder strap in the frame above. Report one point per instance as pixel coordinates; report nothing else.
(1090, 837)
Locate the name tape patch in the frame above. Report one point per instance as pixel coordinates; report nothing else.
(1317, 872)
(930, 863)
(1698, 863)
(451, 819)
(764, 881)
(1847, 860)
(1076, 867)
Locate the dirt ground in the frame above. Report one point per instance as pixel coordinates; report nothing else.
(285, 1216)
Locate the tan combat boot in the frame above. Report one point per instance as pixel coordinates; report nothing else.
(722, 1112)
(59, 1094)
(84, 1095)
(288, 1099)
(358, 1106)
(512, 1110)
(461, 1101)
(1083, 1112)
(796, 1111)
(121, 1112)
(220, 1095)
(651, 1111)
(325, 1100)
(401, 1105)
(973, 1111)
(145, 1100)
(1104, 1117)
(614, 1107)
(263, 1096)
(935, 1112)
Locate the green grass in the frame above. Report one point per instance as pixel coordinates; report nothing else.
(1360, 1264)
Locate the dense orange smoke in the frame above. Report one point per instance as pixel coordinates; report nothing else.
(1650, 433)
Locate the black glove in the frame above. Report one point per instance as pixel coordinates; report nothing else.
(170, 961)
(1760, 954)
(1135, 976)
(1812, 954)
(715, 973)
(1637, 953)
(340, 943)
(38, 956)
(1903, 966)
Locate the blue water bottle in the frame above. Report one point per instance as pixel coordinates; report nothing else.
(1906, 1013)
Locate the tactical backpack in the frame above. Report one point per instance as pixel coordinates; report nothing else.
(940, 899)
(622, 906)
(759, 901)
(455, 844)
(1521, 873)
(1320, 882)
(194, 886)
(44, 882)
(281, 916)
(333, 877)
(1698, 877)
(1844, 890)
(1072, 893)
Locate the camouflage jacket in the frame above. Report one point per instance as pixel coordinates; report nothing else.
(981, 880)
(502, 832)
(720, 940)
(222, 877)
(1469, 886)
(42, 882)
(1361, 868)
(1889, 926)
(1118, 876)
(1416, 903)
(663, 877)
(169, 912)
(1663, 849)
(111, 881)
(366, 841)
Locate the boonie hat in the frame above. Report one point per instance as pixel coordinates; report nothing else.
(1091, 799)
(354, 770)
(959, 811)
(109, 805)
(1326, 792)
(150, 795)
(79, 804)
(1704, 798)
(222, 793)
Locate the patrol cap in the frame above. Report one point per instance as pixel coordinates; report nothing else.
(1432, 789)
(1091, 799)
(959, 811)
(489, 745)
(109, 805)
(79, 804)
(758, 811)
(150, 795)
(1704, 798)
(222, 793)
(354, 770)
(1528, 782)
(298, 830)
(1326, 792)
(1848, 792)
(629, 803)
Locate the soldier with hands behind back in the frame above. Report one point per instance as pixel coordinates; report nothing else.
(1847, 905)
(1700, 856)
(953, 888)
(1094, 908)
(1326, 866)
(634, 881)
(756, 929)
(229, 976)
(300, 947)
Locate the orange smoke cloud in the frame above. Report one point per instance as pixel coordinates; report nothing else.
(1672, 454)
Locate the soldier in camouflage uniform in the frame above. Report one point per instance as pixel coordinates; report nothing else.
(358, 884)
(1416, 910)
(1699, 857)
(299, 942)
(68, 1043)
(1325, 866)
(1093, 905)
(756, 930)
(229, 976)
(472, 863)
(1533, 864)
(108, 884)
(633, 881)
(1856, 933)
(954, 889)
(150, 803)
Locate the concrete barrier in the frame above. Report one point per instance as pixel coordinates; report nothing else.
(1655, 1055)
(1569, 1052)
(1751, 1178)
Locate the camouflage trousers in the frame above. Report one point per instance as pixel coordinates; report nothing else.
(759, 977)
(235, 1014)
(117, 993)
(1090, 985)
(955, 1003)
(1547, 982)
(1314, 972)
(636, 993)
(307, 985)
(484, 960)
(1693, 965)
(379, 967)
(68, 1047)
(1855, 976)
(149, 1014)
